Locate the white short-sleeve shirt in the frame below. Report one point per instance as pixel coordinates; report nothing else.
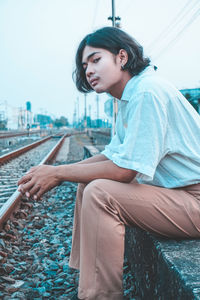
(157, 133)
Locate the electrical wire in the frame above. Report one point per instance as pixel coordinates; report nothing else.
(175, 22)
(171, 26)
(178, 35)
(95, 13)
(125, 9)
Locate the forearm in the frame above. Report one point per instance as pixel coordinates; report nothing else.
(41, 179)
(93, 159)
(95, 170)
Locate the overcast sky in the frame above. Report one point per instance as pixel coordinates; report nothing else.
(39, 38)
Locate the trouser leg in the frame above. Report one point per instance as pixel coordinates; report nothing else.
(74, 261)
(101, 247)
(108, 205)
(96, 281)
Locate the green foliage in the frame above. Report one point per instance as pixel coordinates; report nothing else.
(193, 102)
(62, 121)
(3, 125)
(187, 96)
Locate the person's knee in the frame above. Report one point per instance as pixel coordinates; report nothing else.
(93, 192)
(94, 186)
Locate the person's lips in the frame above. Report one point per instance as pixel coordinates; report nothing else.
(93, 81)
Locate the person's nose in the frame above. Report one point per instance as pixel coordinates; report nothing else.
(89, 70)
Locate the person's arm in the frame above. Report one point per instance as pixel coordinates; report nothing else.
(95, 158)
(43, 178)
(95, 170)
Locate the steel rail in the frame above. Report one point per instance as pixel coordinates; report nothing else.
(2, 136)
(6, 157)
(13, 203)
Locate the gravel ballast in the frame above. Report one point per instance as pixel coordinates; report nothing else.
(35, 246)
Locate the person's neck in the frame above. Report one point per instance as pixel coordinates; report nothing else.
(117, 91)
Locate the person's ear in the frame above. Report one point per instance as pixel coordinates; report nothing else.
(123, 56)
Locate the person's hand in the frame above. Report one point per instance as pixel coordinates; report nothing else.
(38, 180)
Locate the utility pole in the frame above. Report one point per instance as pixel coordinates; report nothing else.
(97, 99)
(115, 104)
(89, 125)
(85, 111)
(113, 18)
(74, 117)
(78, 111)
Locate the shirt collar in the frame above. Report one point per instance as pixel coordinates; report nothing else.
(128, 90)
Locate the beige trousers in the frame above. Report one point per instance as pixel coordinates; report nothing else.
(102, 209)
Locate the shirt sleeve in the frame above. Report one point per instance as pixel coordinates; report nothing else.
(116, 140)
(112, 147)
(143, 145)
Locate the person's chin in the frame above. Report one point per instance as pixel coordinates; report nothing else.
(99, 90)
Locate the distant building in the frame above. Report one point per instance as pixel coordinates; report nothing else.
(100, 123)
(25, 116)
(3, 121)
(28, 105)
(29, 115)
(44, 121)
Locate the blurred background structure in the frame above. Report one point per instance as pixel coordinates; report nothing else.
(39, 39)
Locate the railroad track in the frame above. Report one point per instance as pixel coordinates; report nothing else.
(7, 135)
(13, 140)
(18, 134)
(15, 134)
(34, 252)
(15, 164)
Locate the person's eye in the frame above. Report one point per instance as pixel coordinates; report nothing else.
(96, 60)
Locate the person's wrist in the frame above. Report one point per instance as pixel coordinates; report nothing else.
(60, 173)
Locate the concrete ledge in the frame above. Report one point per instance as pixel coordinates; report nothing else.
(89, 151)
(163, 269)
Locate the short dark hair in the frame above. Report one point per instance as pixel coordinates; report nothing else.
(112, 39)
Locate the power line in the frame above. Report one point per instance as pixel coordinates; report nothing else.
(171, 26)
(174, 24)
(125, 9)
(178, 35)
(95, 12)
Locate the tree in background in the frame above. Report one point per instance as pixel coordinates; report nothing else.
(193, 102)
(3, 124)
(62, 121)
